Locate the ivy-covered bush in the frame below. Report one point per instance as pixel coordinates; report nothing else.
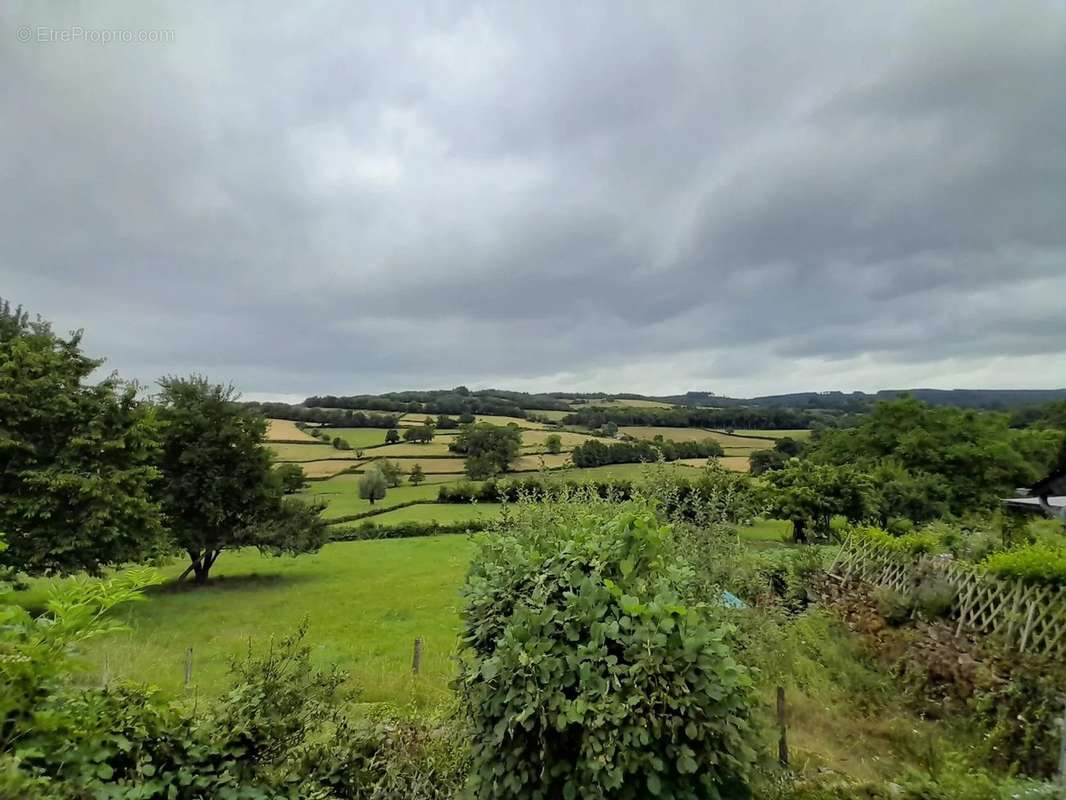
(582, 672)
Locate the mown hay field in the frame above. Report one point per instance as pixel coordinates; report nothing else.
(334, 466)
(434, 466)
(307, 452)
(735, 463)
(649, 432)
(286, 429)
(529, 463)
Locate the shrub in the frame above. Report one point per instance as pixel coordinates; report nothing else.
(933, 597)
(1035, 564)
(583, 674)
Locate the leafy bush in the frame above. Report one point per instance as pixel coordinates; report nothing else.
(933, 597)
(1036, 564)
(583, 674)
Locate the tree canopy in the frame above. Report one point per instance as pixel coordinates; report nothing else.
(77, 459)
(489, 449)
(220, 492)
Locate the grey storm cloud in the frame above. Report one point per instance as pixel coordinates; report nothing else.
(742, 197)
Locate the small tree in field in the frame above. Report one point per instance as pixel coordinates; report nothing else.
(392, 436)
(419, 433)
(372, 485)
(219, 489)
(393, 472)
(417, 476)
(554, 443)
(292, 477)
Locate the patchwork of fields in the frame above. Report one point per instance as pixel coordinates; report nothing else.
(335, 473)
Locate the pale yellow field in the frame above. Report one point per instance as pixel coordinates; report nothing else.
(417, 418)
(308, 452)
(739, 442)
(545, 461)
(796, 433)
(553, 415)
(531, 438)
(431, 466)
(735, 463)
(497, 420)
(649, 432)
(434, 448)
(286, 429)
(316, 469)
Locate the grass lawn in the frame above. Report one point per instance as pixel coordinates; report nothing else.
(360, 437)
(437, 512)
(649, 432)
(365, 601)
(767, 530)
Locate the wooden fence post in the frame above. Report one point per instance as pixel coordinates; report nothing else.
(782, 723)
(188, 667)
(1062, 750)
(416, 659)
(105, 679)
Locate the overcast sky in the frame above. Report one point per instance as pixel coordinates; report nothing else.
(742, 197)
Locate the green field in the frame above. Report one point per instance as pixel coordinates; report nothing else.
(438, 512)
(366, 603)
(795, 433)
(307, 452)
(360, 437)
(343, 499)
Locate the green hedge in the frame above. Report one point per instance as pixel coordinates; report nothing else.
(405, 530)
(1035, 563)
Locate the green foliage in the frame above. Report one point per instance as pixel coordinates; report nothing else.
(489, 449)
(278, 732)
(1041, 563)
(291, 477)
(964, 459)
(77, 460)
(554, 443)
(594, 453)
(372, 485)
(811, 494)
(392, 472)
(219, 491)
(583, 673)
(340, 444)
(417, 476)
(419, 433)
(392, 436)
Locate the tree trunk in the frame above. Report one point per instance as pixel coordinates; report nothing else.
(201, 565)
(799, 533)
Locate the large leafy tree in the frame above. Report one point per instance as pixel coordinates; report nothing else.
(219, 491)
(488, 448)
(976, 454)
(810, 495)
(76, 457)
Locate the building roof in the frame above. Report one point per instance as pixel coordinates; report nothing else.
(1057, 502)
(1053, 484)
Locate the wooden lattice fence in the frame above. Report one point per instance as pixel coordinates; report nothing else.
(1028, 618)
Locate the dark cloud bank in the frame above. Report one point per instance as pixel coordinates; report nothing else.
(743, 197)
